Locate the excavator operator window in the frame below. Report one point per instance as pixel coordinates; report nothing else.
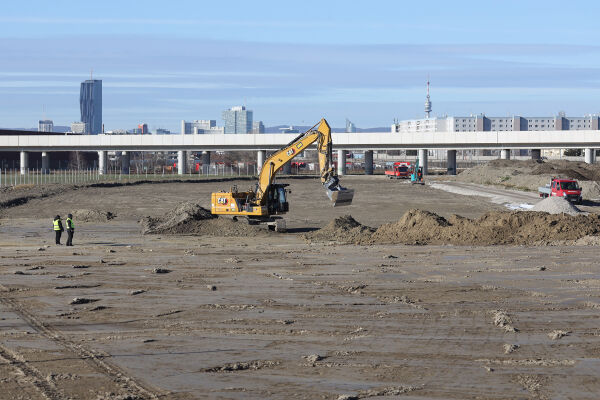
(283, 205)
(281, 192)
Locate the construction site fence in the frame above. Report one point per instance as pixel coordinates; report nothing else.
(17, 177)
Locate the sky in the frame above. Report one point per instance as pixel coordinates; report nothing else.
(295, 62)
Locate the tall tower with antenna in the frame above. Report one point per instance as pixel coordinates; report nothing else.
(428, 101)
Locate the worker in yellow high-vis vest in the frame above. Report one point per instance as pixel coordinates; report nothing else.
(70, 230)
(58, 228)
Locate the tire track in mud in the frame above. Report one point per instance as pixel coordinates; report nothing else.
(46, 388)
(93, 358)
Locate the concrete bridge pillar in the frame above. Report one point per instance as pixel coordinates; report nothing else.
(260, 160)
(590, 156)
(423, 160)
(102, 164)
(182, 162)
(45, 162)
(205, 162)
(369, 162)
(125, 162)
(287, 168)
(24, 164)
(505, 154)
(536, 154)
(451, 162)
(341, 164)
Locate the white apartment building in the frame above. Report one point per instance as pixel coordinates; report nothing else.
(201, 127)
(482, 122)
(80, 128)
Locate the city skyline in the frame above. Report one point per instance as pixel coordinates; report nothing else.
(270, 58)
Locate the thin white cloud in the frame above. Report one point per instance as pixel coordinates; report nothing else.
(173, 85)
(147, 75)
(136, 85)
(284, 24)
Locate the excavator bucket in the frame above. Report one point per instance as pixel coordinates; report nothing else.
(340, 197)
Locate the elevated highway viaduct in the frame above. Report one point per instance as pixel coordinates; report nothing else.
(342, 142)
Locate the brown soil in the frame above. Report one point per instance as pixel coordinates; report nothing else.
(493, 228)
(19, 195)
(343, 229)
(84, 215)
(563, 168)
(192, 219)
(235, 318)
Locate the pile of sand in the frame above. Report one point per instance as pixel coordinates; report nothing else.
(192, 219)
(343, 229)
(556, 205)
(573, 169)
(529, 175)
(92, 215)
(493, 228)
(176, 219)
(587, 241)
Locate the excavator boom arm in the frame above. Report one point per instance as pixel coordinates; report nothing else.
(321, 135)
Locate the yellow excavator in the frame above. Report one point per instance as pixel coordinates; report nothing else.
(268, 200)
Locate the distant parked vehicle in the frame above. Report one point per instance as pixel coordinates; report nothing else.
(566, 188)
(400, 170)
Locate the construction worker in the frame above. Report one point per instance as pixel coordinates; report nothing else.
(58, 228)
(70, 230)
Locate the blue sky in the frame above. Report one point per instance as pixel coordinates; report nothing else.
(294, 62)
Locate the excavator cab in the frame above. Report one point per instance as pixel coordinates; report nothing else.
(277, 199)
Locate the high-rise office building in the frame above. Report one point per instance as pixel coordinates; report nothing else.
(143, 128)
(258, 127)
(46, 125)
(238, 120)
(90, 104)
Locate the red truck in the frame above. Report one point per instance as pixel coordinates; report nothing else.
(567, 188)
(400, 170)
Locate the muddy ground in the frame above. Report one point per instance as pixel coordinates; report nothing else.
(277, 316)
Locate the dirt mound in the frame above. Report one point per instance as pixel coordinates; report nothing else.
(529, 175)
(13, 196)
(192, 219)
(493, 228)
(572, 169)
(556, 205)
(563, 168)
(587, 241)
(176, 219)
(342, 229)
(590, 189)
(92, 215)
